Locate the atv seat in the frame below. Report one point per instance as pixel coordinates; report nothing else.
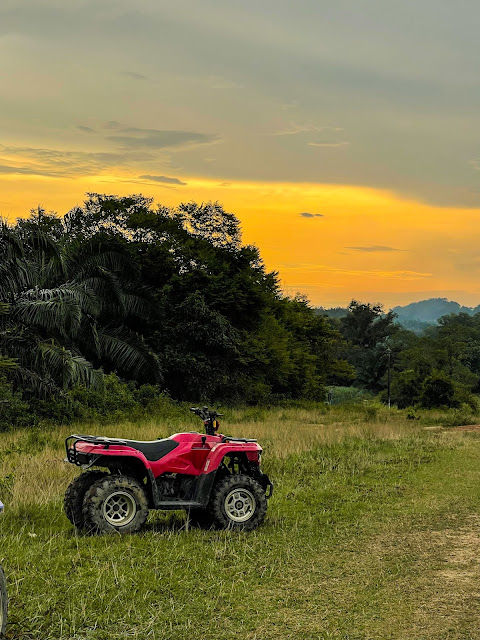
(153, 450)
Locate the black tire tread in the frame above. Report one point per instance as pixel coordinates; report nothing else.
(75, 493)
(99, 491)
(220, 491)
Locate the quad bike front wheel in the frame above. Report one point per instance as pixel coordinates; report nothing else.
(75, 493)
(3, 603)
(115, 503)
(238, 502)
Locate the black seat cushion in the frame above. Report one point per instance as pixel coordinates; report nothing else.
(154, 449)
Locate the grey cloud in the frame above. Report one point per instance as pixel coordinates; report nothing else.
(27, 171)
(295, 128)
(306, 214)
(405, 91)
(134, 75)
(53, 162)
(372, 249)
(325, 136)
(158, 139)
(87, 129)
(164, 179)
(112, 125)
(326, 143)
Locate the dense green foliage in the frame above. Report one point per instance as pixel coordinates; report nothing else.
(166, 297)
(120, 294)
(440, 368)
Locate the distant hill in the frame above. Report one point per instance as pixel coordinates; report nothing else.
(333, 312)
(429, 311)
(416, 316)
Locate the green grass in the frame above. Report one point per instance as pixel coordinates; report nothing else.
(373, 533)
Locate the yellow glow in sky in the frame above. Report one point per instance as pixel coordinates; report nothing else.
(354, 242)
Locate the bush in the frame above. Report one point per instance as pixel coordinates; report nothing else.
(115, 399)
(14, 412)
(458, 417)
(345, 395)
(438, 391)
(405, 389)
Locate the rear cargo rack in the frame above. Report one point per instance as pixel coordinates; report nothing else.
(82, 459)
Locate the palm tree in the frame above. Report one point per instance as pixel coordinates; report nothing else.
(62, 308)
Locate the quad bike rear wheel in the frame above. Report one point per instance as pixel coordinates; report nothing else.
(238, 502)
(3, 603)
(115, 503)
(75, 493)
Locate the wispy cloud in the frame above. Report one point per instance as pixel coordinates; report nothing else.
(134, 74)
(315, 135)
(373, 248)
(219, 82)
(112, 125)
(286, 106)
(327, 143)
(306, 214)
(26, 171)
(134, 138)
(307, 127)
(163, 179)
(382, 274)
(120, 146)
(61, 163)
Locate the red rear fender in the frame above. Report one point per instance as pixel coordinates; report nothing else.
(110, 454)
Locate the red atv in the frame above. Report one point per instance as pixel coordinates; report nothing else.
(215, 478)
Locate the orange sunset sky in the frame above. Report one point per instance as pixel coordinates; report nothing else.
(344, 134)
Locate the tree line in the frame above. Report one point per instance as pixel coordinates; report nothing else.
(170, 299)
(438, 368)
(120, 304)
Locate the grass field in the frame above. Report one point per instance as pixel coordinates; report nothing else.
(373, 533)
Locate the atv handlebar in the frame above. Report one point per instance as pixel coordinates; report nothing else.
(209, 419)
(205, 413)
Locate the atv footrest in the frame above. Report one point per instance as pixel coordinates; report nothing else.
(178, 504)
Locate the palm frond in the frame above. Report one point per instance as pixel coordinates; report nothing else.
(129, 353)
(86, 265)
(68, 368)
(80, 293)
(107, 287)
(60, 315)
(31, 381)
(8, 363)
(135, 305)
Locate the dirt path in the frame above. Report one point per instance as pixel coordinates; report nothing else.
(451, 601)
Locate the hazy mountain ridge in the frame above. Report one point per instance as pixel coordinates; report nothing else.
(429, 311)
(416, 316)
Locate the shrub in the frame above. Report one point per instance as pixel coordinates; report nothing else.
(438, 391)
(14, 411)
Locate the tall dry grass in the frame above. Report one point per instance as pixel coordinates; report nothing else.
(33, 471)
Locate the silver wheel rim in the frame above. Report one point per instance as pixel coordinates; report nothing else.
(119, 508)
(240, 505)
